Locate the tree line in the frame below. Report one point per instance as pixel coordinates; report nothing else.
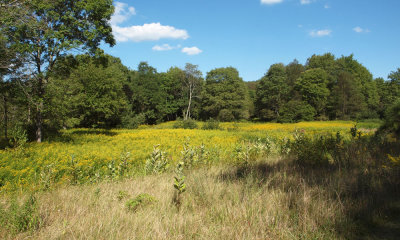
(90, 91)
(45, 88)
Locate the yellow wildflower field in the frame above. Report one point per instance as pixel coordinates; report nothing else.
(82, 155)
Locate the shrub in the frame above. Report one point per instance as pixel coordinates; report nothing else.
(185, 124)
(211, 124)
(132, 121)
(312, 150)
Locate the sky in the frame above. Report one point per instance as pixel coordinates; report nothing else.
(251, 35)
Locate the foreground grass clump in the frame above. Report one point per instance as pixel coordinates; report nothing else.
(87, 155)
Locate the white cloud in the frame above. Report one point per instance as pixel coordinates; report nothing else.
(270, 2)
(121, 13)
(139, 33)
(360, 30)
(148, 32)
(320, 33)
(326, 6)
(191, 50)
(305, 2)
(165, 47)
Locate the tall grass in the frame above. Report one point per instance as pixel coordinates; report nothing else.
(274, 198)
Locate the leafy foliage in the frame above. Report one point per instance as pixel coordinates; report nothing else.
(158, 162)
(224, 95)
(140, 201)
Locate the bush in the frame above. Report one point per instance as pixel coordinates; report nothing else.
(132, 121)
(211, 124)
(296, 111)
(185, 124)
(315, 151)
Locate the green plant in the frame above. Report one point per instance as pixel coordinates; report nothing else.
(311, 150)
(112, 169)
(211, 124)
(20, 218)
(46, 176)
(248, 152)
(123, 165)
(139, 201)
(122, 194)
(185, 124)
(189, 157)
(202, 154)
(18, 136)
(179, 184)
(354, 131)
(157, 162)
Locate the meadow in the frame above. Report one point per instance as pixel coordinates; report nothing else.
(314, 180)
(88, 155)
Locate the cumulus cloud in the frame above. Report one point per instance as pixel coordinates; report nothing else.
(191, 50)
(148, 32)
(360, 30)
(139, 33)
(165, 47)
(270, 2)
(121, 13)
(320, 33)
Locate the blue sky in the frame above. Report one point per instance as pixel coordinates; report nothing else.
(250, 35)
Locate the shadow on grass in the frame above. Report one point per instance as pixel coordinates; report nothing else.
(3, 143)
(371, 199)
(95, 132)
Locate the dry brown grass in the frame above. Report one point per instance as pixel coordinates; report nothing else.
(218, 204)
(272, 199)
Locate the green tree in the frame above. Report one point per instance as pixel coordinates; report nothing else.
(272, 92)
(296, 111)
(293, 71)
(48, 30)
(394, 85)
(363, 81)
(385, 98)
(91, 95)
(174, 100)
(225, 95)
(349, 100)
(147, 97)
(312, 86)
(327, 62)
